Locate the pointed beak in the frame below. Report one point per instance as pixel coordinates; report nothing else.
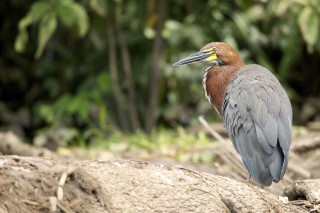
(197, 57)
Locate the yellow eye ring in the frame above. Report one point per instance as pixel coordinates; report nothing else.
(215, 50)
(211, 50)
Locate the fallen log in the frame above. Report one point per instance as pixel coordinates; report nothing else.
(307, 143)
(10, 144)
(33, 184)
(305, 192)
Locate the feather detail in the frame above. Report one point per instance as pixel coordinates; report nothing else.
(258, 118)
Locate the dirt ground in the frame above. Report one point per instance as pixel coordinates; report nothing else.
(33, 184)
(48, 182)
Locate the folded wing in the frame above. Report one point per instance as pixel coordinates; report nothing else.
(258, 118)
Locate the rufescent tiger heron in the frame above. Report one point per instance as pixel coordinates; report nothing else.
(255, 108)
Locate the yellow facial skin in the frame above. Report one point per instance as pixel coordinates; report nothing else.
(213, 54)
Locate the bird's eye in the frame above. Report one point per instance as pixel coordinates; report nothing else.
(215, 50)
(211, 50)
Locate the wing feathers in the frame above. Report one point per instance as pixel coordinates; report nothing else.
(277, 164)
(257, 164)
(264, 143)
(258, 116)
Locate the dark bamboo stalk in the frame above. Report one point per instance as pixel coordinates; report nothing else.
(133, 112)
(118, 95)
(151, 117)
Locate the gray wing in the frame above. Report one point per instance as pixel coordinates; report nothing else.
(258, 118)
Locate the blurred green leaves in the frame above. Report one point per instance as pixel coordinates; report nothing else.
(48, 25)
(70, 85)
(73, 15)
(176, 144)
(38, 10)
(99, 6)
(309, 22)
(46, 13)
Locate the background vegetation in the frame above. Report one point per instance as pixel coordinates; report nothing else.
(95, 71)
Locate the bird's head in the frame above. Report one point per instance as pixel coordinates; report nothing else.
(215, 53)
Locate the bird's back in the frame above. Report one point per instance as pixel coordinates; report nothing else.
(258, 117)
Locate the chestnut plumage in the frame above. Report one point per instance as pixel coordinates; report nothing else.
(255, 108)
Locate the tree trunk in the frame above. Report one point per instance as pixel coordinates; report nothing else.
(118, 95)
(132, 102)
(151, 116)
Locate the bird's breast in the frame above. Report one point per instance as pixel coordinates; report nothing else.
(215, 81)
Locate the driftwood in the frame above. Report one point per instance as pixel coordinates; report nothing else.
(305, 192)
(31, 184)
(307, 143)
(10, 144)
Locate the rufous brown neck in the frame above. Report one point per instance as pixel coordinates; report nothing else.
(215, 82)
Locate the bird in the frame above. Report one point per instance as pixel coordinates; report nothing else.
(255, 109)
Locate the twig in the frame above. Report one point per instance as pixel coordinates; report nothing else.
(215, 134)
(53, 203)
(230, 156)
(62, 181)
(64, 209)
(30, 202)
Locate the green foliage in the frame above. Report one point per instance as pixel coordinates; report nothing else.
(86, 108)
(70, 85)
(177, 144)
(37, 11)
(46, 12)
(99, 7)
(46, 28)
(309, 22)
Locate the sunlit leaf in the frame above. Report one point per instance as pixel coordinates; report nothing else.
(21, 40)
(37, 11)
(65, 15)
(99, 6)
(309, 25)
(47, 27)
(72, 13)
(149, 33)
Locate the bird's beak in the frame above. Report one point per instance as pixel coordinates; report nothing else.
(197, 57)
